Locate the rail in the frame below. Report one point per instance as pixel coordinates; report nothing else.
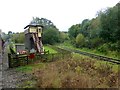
(112, 60)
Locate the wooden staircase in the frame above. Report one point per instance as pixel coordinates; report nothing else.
(37, 42)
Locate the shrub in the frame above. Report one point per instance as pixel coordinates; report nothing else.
(103, 48)
(80, 40)
(96, 42)
(115, 46)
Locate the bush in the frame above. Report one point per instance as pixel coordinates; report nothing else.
(103, 48)
(114, 46)
(80, 40)
(50, 36)
(96, 42)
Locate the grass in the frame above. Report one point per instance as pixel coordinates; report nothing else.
(31, 67)
(50, 49)
(79, 71)
(26, 68)
(111, 54)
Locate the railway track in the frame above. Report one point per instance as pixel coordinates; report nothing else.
(112, 60)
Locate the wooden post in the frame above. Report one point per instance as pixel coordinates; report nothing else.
(17, 60)
(9, 60)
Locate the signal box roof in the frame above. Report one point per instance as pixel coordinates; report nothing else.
(33, 25)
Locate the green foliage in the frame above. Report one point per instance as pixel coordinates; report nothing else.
(18, 37)
(103, 30)
(95, 42)
(63, 37)
(114, 46)
(85, 27)
(103, 48)
(73, 30)
(109, 23)
(80, 40)
(94, 28)
(50, 36)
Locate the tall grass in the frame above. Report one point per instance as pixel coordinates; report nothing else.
(76, 72)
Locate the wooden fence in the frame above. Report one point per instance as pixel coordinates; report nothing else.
(21, 60)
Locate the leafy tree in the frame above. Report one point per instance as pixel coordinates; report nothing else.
(43, 21)
(80, 39)
(18, 37)
(63, 36)
(85, 27)
(109, 24)
(94, 28)
(73, 30)
(50, 36)
(95, 42)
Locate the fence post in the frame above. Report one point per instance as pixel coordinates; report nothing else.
(17, 60)
(9, 60)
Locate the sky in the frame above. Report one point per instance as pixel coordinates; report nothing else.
(16, 14)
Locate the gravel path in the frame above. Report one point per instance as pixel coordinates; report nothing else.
(14, 79)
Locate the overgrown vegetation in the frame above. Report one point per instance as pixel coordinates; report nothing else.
(102, 51)
(77, 71)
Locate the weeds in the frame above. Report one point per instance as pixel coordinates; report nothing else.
(104, 69)
(76, 72)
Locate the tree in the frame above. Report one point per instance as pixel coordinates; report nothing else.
(94, 28)
(85, 27)
(73, 30)
(109, 24)
(43, 21)
(63, 36)
(80, 39)
(18, 37)
(50, 36)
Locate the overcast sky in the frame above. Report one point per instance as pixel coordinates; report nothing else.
(16, 14)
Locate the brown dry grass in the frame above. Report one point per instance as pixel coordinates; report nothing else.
(75, 72)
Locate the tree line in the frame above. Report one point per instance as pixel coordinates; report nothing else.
(102, 32)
